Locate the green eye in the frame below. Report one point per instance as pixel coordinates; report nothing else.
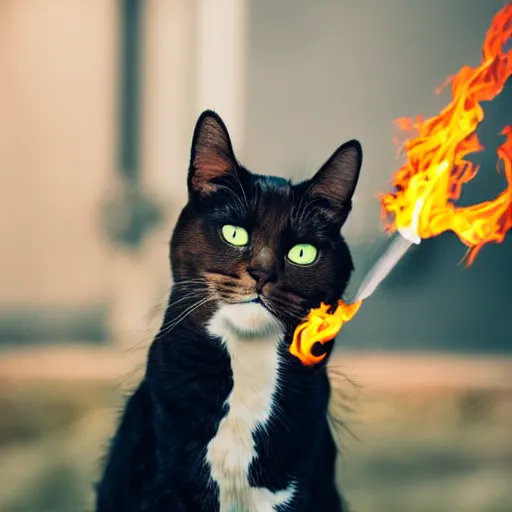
(302, 254)
(235, 235)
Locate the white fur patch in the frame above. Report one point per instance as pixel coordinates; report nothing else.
(251, 335)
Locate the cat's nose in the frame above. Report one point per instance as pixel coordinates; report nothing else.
(261, 276)
(261, 268)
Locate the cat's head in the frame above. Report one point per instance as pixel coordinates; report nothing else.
(261, 250)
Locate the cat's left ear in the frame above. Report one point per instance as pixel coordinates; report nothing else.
(212, 155)
(336, 181)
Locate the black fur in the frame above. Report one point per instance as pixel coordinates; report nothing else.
(157, 458)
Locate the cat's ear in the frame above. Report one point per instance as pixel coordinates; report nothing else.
(211, 155)
(336, 181)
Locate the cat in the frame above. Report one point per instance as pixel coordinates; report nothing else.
(225, 418)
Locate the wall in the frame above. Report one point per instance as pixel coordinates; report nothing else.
(57, 132)
(323, 72)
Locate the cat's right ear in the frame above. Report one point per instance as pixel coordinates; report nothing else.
(212, 156)
(336, 181)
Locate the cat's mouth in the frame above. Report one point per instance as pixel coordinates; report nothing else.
(252, 299)
(258, 300)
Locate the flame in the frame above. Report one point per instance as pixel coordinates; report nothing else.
(320, 326)
(431, 179)
(435, 169)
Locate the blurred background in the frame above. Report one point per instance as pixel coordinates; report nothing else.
(98, 102)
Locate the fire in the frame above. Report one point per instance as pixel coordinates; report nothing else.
(320, 326)
(431, 179)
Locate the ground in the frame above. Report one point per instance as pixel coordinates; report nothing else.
(421, 433)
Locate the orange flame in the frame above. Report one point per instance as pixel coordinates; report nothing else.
(320, 326)
(431, 179)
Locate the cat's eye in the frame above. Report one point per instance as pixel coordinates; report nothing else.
(235, 235)
(303, 254)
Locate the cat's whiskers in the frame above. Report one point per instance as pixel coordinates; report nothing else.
(189, 283)
(219, 275)
(278, 315)
(194, 289)
(292, 309)
(167, 328)
(231, 289)
(236, 297)
(190, 296)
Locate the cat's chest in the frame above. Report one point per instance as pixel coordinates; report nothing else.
(255, 367)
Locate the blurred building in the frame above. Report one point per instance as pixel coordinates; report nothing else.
(96, 93)
(97, 107)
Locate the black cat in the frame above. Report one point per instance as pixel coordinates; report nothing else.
(226, 419)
